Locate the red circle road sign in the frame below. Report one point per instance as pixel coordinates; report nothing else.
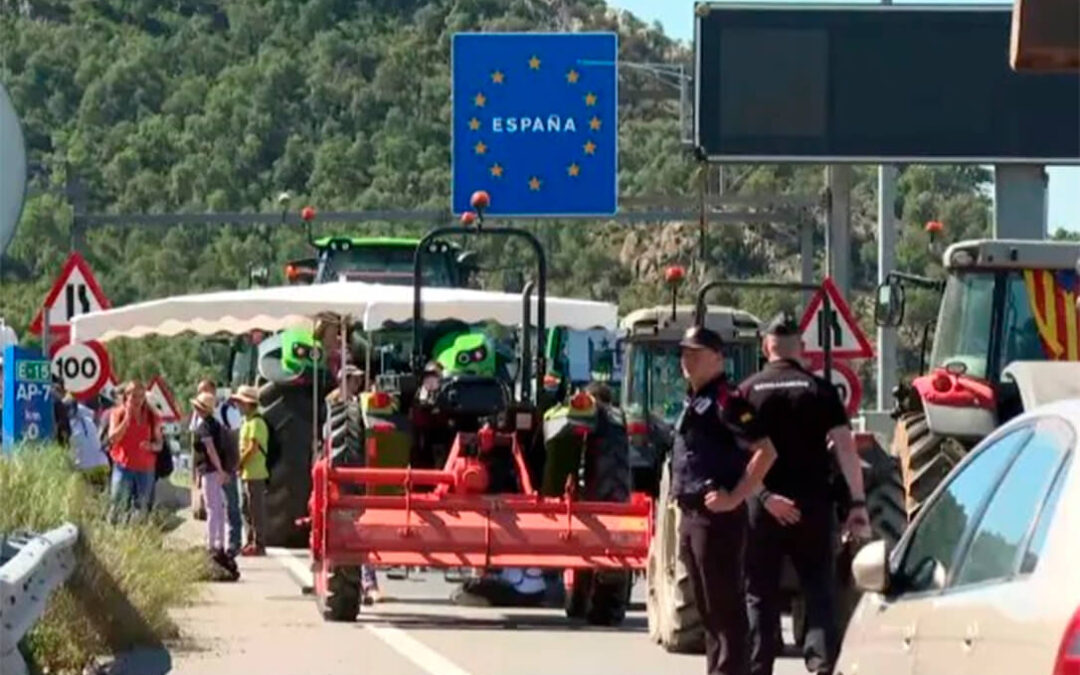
(83, 367)
(846, 381)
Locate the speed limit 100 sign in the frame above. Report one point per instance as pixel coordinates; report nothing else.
(83, 367)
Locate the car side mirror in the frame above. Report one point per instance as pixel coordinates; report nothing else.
(889, 305)
(870, 567)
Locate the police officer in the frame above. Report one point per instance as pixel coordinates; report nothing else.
(793, 514)
(718, 462)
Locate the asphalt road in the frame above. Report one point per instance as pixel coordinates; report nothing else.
(265, 624)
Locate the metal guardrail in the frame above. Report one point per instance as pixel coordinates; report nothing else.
(39, 565)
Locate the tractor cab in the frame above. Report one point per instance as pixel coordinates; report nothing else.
(653, 388)
(1001, 302)
(389, 260)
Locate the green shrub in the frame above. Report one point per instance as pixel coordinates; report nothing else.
(126, 578)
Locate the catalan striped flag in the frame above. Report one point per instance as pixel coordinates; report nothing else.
(1052, 294)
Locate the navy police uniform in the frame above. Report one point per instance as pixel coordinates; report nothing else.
(714, 434)
(797, 409)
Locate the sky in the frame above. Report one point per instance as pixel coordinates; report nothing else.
(676, 16)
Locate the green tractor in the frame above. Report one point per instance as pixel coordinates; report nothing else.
(437, 382)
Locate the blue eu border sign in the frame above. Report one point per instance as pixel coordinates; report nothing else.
(28, 413)
(536, 122)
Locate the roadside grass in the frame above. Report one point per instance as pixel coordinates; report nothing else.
(126, 578)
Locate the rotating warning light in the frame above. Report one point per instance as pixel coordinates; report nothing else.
(935, 226)
(468, 218)
(307, 214)
(480, 199)
(674, 274)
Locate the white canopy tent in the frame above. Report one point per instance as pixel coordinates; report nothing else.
(277, 308)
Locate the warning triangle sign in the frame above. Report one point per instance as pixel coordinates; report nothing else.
(846, 338)
(159, 396)
(75, 292)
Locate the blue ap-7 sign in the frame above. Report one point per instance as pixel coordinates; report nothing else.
(28, 412)
(535, 122)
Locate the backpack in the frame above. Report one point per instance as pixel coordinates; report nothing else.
(163, 466)
(273, 447)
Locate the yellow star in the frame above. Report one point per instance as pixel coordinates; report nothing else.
(534, 184)
(474, 124)
(573, 169)
(590, 148)
(534, 63)
(480, 148)
(572, 76)
(594, 124)
(496, 170)
(479, 100)
(497, 77)
(590, 99)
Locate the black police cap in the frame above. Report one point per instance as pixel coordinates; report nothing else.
(782, 324)
(699, 337)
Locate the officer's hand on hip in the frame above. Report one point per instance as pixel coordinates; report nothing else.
(719, 501)
(783, 509)
(857, 525)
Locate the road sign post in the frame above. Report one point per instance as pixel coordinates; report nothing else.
(75, 291)
(828, 322)
(535, 122)
(83, 367)
(845, 379)
(161, 398)
(28, 411)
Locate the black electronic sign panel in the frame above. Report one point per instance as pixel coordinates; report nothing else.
(875, 83)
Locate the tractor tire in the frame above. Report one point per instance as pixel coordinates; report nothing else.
(925, 458)
(346, 446)
(342, 602)
(674, 621)
(607, 478)
(576, 601)
(288, 412)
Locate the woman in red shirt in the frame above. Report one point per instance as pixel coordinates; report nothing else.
(135, 440)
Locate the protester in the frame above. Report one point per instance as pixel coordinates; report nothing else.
(229, 418)
(89, 458)
(135, 438)
(254, 439)
(207, 456)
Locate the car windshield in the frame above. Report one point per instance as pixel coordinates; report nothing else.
(963, 328)
(386, 264)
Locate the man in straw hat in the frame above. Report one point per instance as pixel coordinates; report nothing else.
(254, 439)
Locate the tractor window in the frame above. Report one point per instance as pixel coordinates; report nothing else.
(741, 361)
(384, 265)
(657, 381)
(1020, 334)
(963, 328)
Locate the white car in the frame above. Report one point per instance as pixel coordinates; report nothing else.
(986, 580)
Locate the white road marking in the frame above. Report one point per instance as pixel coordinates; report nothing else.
(422, 656)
